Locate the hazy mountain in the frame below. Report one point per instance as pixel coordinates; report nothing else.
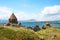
(3, 21)
(31, 20)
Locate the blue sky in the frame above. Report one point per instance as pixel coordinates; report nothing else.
(30, 9)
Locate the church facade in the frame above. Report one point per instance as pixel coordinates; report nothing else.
(13, 21)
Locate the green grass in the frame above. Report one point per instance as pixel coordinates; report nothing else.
(14, 33)
(49, 32)
(20, 34)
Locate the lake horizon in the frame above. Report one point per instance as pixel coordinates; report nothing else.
(31, 24)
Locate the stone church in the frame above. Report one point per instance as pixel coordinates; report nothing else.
(13, 21)
(48, 24)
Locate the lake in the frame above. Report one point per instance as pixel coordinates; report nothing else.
(39, 24)
(33, 24)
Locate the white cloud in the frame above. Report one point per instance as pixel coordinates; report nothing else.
(5, 9)
(51, 9)
(5, 12)
(25, 16)
(48, 13)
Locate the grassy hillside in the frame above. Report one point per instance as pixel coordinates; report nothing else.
(49, 33)
(11, 33)
(14, 33)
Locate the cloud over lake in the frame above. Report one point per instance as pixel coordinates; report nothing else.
(49, 13)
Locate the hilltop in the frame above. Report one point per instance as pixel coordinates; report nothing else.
(21, 33)
(14, 33)
(50, 33)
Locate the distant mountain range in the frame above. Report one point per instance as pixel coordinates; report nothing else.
(3, 21)
(32, 20)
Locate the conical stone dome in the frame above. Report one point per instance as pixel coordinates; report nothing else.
(48, 24)
(13, 19)
(12, 16)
